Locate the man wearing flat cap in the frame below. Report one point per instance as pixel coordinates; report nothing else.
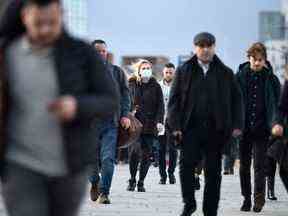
(205, 109)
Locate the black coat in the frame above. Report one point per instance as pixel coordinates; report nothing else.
(272, 90)
(147, 100)
(226, 97)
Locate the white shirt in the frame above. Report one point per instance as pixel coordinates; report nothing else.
(205, 67)
(166, 88)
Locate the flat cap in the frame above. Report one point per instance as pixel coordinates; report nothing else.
(204, 38)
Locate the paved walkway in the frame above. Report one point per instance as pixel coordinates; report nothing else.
(165, 200)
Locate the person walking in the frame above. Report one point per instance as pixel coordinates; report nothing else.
(204, 110)
(148, 106)
(164, 137)
(261, 91)
(53, 87)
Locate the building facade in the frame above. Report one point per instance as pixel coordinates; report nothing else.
(277, 51)
(271, 26)
(76, 17)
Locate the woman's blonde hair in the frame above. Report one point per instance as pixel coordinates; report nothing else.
(136, 67)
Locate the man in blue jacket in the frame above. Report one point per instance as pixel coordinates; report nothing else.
(108, 130)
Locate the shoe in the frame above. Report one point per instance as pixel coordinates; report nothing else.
(259, 202)
(155, 164)
(257, 209)
(197, 183)
(270, 188)
(140, 186)
(246, 206)
(94, 192)
(271, 195)
(131, 185)
(229, 172)
(226, 172)
(103, 199)
(162, 181)
(172, 179)
(189, 209)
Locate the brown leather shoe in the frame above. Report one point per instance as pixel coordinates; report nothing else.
(94, 192)
(259, 202)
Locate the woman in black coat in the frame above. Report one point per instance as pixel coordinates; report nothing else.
(148, 106)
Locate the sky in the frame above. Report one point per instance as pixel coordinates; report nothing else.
(167, 27)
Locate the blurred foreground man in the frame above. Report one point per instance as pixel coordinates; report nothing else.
(205, 109)
(52, 88)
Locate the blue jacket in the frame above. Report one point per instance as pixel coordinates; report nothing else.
(121, 83)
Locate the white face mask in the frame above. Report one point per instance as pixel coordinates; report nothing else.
(147, 73)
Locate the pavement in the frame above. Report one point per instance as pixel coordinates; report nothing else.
(165, 200)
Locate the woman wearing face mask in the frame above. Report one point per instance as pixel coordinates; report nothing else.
(148, 106)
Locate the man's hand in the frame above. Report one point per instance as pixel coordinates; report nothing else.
(64, 108)
(277, 130)
(160, 127)
(125, 123)
(236, 133)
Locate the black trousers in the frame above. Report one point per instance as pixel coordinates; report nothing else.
(271, 171)
(284, 177)
(165, 142)
(253, 147)
(201, 143)
(141, 155)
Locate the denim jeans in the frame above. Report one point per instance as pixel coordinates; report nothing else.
(107, 141)
(231, 154)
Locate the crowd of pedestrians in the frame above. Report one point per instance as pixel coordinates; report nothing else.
(63, 104)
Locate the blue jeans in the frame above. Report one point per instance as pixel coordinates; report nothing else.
(108, 133)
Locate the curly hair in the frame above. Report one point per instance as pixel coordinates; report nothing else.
(257, 49)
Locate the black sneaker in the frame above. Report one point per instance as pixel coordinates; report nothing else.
(172, 179)
(197, 183)
(226, 172)
(246, 206)
(162, 181)
(140, 186)
(131, 185)
(189, 209)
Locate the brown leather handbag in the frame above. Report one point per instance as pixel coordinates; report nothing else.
(129, 136)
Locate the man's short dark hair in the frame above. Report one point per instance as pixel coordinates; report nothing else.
(170, 65)
(98, 41)
(40, 2)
